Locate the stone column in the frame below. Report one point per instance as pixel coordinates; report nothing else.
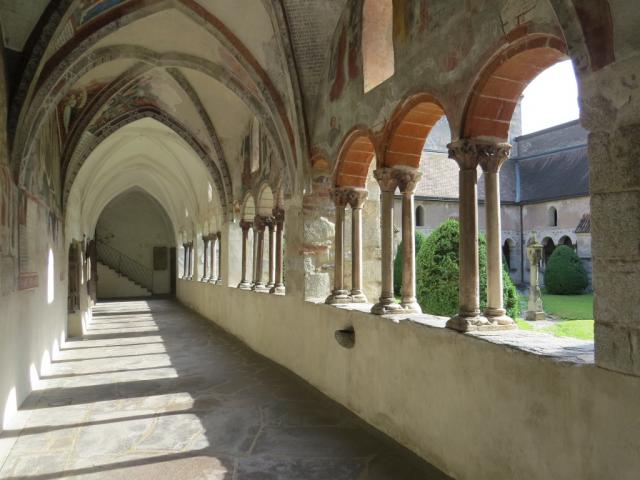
(388, 184)
(493, 155)
(259, 226)
(465, 152)
(212, 274)
(534, 255)
(205, 240)
(271, 226)
(244, 282)
(278, 215)
(339, 294)
(190, 261)
(407, 181)
(356, 198)
(218, 279)
(185, 265)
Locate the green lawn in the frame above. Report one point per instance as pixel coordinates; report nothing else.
(569, 307)
(575, 312)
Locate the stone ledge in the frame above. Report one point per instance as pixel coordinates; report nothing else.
(561, 349)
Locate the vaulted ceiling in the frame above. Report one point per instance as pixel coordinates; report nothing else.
(194, 70)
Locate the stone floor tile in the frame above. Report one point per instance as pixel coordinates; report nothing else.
(154, 391)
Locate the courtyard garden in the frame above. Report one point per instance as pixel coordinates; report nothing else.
(568, 316)
(569, 311)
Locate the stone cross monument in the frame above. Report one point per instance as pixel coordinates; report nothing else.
(534, 254)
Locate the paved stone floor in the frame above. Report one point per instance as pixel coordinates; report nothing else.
(156, 391)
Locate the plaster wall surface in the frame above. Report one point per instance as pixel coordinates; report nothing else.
(31, 330)
(112, 285)
(134, 224)
(442, 393)
(570, 211)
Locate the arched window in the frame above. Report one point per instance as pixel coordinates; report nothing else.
(553, 217)
(506, 253)
(420, 216)
(377, 42)
(565, 241)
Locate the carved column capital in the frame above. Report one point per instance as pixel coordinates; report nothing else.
(261, 222)
(407, 178)
(356, 197)
(218, 235)
(386, 179)
(493, 155)
(470, 153)
(278, 215)
(245, 225)
(339, 195)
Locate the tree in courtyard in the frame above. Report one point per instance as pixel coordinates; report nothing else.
(437, 273)
(564, 273)
(399, 260)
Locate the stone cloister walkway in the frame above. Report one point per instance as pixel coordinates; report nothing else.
(156, 391)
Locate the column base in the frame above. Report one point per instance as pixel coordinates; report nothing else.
(358, 297)
(204, 278)
(464, 323)
(386, 306)
(338, 297)
(410, 306)
(244, 286)
(260, 288)
(278, 289)
(534, 316)
(270, 286)
(218, 281)
(499, 317)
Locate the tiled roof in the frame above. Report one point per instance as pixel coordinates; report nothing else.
(557, 174)
(585, 224)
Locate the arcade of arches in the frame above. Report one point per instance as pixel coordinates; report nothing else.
(243, 159)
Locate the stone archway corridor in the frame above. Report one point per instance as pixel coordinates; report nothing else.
(153, 390)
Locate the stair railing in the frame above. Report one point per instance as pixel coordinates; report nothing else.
(125, 265)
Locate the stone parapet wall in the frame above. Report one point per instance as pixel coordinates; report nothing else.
(474, 408)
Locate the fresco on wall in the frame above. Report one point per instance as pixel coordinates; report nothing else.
(8, 237)
(410, 18)
(40, 174)
(345, 64)
(135, 96)
(71, 106)
(91, 9)
(517, 12)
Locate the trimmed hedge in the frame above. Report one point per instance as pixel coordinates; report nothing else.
(437, 274)
(397, 262)
(565, 274)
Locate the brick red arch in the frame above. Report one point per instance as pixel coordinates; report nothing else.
(496, 92)
(409, 128)
(354, 160)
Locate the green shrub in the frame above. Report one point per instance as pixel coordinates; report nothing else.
(437, 274)
(397, 262)
(565, 274)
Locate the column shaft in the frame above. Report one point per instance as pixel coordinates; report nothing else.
(278, 288)
(244, 283)
(219, 260)
(272, 256)
(206, 259)
(339, 294)
(259, 285)
(388, 184)
(214, 266)
(356, 198)
(407, 181)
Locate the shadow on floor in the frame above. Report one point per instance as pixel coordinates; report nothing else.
(187, 400)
